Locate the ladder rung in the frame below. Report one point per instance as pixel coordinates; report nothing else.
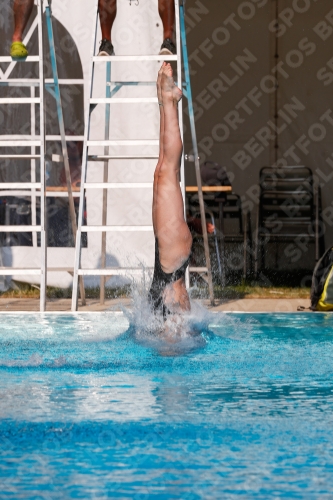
(20, 185)
(21, 137)
(20, 157)
(112, 270)
(64, 81)
(134, 58)
(134, 83)
(116, 185)
(49, 194)
(198, 269)
(34, 82)
(69, 138)
(60, 269)
(119, 157)
(9, 271)
(18, 143)
(27, 59)
(120, 229)
(6, 271)
(19, 100)
(20, 229)
(124, 100)
(124, 143)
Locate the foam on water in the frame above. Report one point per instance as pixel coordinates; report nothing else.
(178, 334)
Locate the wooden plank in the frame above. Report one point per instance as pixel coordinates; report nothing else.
(62, 188)
(209, 189)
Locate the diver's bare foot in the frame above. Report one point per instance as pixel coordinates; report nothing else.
(168, 85)
(158, 84)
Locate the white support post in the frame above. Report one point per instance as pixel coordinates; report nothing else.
(89, 91)
(43, 238)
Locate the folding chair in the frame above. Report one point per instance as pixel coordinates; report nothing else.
(288, 210)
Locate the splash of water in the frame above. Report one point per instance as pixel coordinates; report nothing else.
(178, 334)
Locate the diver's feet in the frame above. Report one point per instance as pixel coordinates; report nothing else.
(18, 50)
(106, 48)
(168, 48)
(158, 85)
(169, 89)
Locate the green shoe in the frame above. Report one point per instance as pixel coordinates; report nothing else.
(18, 50)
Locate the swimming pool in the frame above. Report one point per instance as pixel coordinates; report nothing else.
(87, 411)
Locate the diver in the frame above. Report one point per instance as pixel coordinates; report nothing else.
(173, 240)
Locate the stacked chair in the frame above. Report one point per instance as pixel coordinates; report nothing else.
(232, 226)
(235, 229)
(289, 211)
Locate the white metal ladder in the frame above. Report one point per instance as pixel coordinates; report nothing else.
(36, 142)
(103, 272)
(34, 188)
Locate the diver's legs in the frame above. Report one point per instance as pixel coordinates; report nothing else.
(171, 230)
(160, 158)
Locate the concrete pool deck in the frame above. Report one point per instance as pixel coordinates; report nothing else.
(93, 305)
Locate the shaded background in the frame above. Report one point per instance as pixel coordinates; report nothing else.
(232, 128)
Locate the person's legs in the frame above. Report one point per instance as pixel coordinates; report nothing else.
(107, 14)
(171, 230)
(22, 12)
(166, 9)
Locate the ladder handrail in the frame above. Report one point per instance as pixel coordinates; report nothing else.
(42, 159)
(87, 111)
(188, 95)
(57, 96)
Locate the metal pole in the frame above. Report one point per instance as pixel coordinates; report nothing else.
(195, 150)
(180, 117)
(245, 247)
(316, 198)
(222, 248)
(43, 240)
(276, 75)
(84, 162)
(105, 179)
(33, 169)
(57, 96)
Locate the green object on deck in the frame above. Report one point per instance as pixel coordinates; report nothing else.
(18, 50)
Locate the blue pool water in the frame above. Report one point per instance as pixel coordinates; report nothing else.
(89, 410)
